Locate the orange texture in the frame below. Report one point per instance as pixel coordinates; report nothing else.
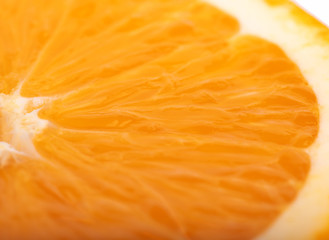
(163, 122)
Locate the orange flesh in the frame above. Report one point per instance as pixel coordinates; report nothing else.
(165, 123)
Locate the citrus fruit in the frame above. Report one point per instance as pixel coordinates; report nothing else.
(163, 119)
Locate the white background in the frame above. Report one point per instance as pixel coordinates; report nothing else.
(317, 8)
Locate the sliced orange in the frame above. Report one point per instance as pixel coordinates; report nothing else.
(162, 119)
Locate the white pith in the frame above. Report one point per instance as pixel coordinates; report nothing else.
(309, 213)
(18, 127)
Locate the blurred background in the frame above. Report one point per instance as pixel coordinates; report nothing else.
(318, 8)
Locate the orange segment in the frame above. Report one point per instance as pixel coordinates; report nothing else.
(121, 44)
(163, 122)
(23, 37)
(239, 89)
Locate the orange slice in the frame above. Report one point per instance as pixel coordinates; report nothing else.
(162, 119)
